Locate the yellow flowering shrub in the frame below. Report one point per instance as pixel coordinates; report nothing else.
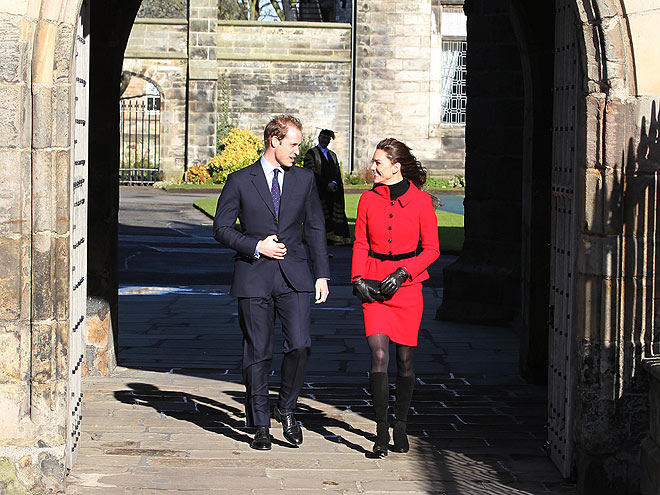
(241, 148)
(197, 174)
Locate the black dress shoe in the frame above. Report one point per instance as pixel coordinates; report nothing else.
(261, 439)
(290, 427)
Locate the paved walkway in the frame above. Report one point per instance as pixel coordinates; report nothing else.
(169, 419)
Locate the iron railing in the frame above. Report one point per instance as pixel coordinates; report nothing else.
(139, 140)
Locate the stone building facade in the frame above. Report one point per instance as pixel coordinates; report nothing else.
(563, 101)
(270, 67)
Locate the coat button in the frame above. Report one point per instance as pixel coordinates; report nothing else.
(389, 240)
(389, 228)
(391, 215)
(390, 252)
(392, 203)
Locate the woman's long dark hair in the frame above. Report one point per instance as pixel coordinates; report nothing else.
(411, 167)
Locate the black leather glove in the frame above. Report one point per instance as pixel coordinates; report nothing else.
(393, 281)
(367, 290)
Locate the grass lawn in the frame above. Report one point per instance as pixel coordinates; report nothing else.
(450, 225)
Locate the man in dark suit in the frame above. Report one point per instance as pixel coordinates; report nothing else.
(274, 201)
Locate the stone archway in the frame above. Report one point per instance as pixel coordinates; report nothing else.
(39, 42)
(169, 76)
(614, 280)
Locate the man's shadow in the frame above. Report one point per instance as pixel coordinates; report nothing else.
(206, 413)
(226, 419)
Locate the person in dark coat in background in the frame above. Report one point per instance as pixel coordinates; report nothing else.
(330, 185)
(274, 203)
(396, 240)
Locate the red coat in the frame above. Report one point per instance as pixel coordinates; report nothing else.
(395, 227)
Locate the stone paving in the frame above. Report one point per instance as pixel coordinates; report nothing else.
(170, 418)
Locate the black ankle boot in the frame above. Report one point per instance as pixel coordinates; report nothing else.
(379, 397)
(404, 391)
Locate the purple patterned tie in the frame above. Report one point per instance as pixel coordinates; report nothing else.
(275, 193)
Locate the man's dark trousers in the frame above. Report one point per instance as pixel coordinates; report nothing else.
(257, 319)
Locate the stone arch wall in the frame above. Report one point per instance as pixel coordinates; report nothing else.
(169, 76)
(37, 45)
(38, 39)
(610, 390)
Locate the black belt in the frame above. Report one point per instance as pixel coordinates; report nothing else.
(394, 257)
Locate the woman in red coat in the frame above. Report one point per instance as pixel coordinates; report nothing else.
(396, 239)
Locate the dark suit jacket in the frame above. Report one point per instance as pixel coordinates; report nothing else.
(246, 196)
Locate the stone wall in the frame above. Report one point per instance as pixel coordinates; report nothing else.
(289, 67)
(397, 81)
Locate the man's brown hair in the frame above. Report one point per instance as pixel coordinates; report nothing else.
(279, 126)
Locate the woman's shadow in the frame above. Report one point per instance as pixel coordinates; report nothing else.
(226, 419)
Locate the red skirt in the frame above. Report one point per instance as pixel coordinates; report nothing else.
(398, 317)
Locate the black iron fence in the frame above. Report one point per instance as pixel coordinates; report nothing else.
(140, 141)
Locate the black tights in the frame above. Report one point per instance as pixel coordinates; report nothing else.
(380, 355)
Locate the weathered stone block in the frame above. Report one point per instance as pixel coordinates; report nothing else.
(200, 25)
(14, 406)
(48, 405)
(14, 346)
(11, 277)
(207, 39)
(10, 116)
(62, 123)
(98, 330)
(15, 202)
(61, 188)
(44, 351)
(10, 52)
(64, 51)
(42, 191)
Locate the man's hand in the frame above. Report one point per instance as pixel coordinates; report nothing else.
(332, 186)
(322, 291)
(271, 248)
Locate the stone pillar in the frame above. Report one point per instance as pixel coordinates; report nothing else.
(36, 51)
(203, 80)
(483, 285)
(111, 23)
